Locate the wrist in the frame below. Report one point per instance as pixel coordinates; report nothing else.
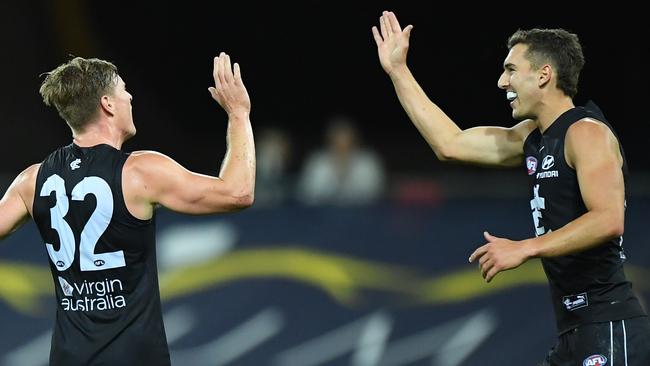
(239, 115)
(531, 248)
(399, 72)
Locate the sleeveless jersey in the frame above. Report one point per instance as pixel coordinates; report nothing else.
(589, 286)
(103, 262)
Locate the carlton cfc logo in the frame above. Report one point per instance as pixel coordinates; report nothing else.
(531, 165)
(595, 360)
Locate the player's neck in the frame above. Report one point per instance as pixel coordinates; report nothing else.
(551, 110)
(97, 134)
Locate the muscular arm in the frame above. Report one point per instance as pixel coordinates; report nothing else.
(593, 151)
(497, 146)
(151, 178)
(16, 204)
(480, 145)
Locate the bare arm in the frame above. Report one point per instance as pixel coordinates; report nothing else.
(592, 149)
(480, 145)
(153, 178)
(15, 206)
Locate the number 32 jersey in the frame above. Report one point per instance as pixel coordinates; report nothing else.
(103, 262)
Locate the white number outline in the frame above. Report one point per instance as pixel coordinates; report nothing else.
(92, 231)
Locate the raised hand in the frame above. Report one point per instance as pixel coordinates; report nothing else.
(229, 90)
(392, 43)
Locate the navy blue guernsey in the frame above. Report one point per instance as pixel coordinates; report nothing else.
(103, 262)
(586, 287)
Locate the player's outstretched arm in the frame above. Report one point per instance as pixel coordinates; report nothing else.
(153, 178)
(496, 146)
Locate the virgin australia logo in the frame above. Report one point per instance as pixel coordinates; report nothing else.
(65, 286)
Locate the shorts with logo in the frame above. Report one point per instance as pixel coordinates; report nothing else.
(616, 343)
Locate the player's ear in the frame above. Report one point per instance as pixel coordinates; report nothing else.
(107, 104)
(545, 75)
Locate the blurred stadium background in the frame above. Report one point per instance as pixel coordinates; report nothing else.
(288, 284)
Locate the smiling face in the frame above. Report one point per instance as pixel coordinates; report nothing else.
(521, 82)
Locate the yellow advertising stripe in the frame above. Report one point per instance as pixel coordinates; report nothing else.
(22, 285)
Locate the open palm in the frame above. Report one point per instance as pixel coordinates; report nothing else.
(392, 42)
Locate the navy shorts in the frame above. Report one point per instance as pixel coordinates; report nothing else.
(616, 343)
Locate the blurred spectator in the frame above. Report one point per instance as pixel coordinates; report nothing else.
(344, 172)
(274, 182)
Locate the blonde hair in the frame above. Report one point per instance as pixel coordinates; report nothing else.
(76, 87)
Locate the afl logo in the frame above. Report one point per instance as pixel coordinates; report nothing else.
(99, 263)
(531, 165)
(595, 360)
(548, 162)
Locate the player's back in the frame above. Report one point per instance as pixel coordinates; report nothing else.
(103, 262)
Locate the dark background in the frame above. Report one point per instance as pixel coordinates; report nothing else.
(301, 64)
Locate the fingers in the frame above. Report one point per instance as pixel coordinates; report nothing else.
(375, 34)
(394, 24)
(220, 79)
(383, 25)
(227, 68)
(223, 70)
(486, 268)
(215, 71)
(491, 273)
(237, 72)
(478, 253)
(482, 260)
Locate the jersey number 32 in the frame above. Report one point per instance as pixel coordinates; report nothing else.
(92, 231)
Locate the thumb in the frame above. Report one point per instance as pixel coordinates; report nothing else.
(488, 236)
(407, 30)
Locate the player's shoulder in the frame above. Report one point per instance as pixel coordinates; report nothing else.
(29, 174)
(148, 164)
(146, 159)
(588, 129)
(25, 182)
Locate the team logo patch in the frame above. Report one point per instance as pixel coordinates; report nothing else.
(573, 302)
(595, 360)
(75, 164)
(531, 165)
(548, 162)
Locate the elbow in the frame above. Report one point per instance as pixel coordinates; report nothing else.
(242, 200)
(444, 154)
(614, 227)
(246, 201)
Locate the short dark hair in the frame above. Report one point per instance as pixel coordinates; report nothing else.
(76, 87)
(558, 47)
